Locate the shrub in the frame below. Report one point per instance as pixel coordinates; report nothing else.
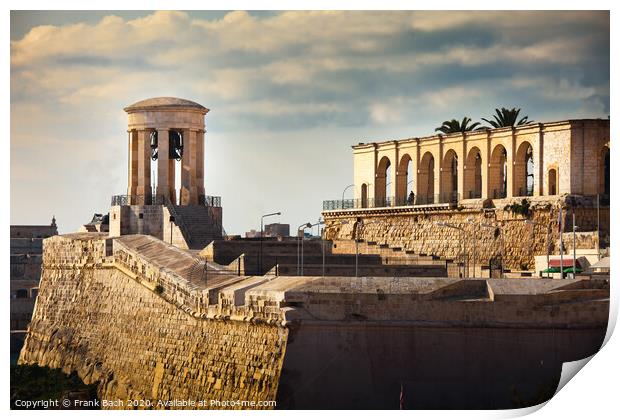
(522, 208)
(159, 289)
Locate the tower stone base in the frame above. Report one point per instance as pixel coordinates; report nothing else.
(187, 227)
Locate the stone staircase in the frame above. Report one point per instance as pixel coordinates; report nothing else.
(398, 255)
(198, 224)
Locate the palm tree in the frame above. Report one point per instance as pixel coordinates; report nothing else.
(507, 118)
(454, 126)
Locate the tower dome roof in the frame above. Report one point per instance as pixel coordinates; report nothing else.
(165, 102)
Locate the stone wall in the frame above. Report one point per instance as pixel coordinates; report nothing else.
(125, 313)
(416, 230)
(98, 321)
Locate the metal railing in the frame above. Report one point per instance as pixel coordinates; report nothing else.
(130, 200)
(419, 200)
(210, 200)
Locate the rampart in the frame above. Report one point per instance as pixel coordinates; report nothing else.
(486, 233)
(135, 315)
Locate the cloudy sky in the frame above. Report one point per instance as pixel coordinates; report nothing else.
(289, 93)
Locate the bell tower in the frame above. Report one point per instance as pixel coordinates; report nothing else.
(170, 132)
(166, 130)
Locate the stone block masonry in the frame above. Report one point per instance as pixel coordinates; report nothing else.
(128, 314)
(100, 322)
(515, 240)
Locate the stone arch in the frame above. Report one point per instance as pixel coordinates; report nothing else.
(498, 172)
(426, 179)
(524, 170)
(403, 176)
(449, 177)
(364, 195)
(472, 178)
(603, 172)
(553, 182)
(382, 181)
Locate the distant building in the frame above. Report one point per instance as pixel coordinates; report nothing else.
(273, 230)
(26, 256)
(99, 223)
(277, 229)
(252, 234)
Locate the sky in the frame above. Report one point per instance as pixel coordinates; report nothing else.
(289, 93)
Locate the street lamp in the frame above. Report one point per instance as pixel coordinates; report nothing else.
(444, 224)
(501, 232)
(171, 223)
(472, 222)
(532, 223)
(357, 227)
(343, 191)
(303, 226)
(261, 237)
(318, 224)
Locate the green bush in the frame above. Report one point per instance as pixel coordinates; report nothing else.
(522, 208)
(159, 289)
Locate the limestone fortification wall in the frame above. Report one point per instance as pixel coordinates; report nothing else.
(417, 230)
(92, 318)
(129, 314)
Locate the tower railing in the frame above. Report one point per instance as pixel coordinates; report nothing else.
(142, 200)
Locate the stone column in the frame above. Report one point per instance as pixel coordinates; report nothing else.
(200, 163)
(393, 174)
(188, 169)
(539, 159)
(172, 193)
(462, 155)
(143, 188)
(163, 150)
(510, 162)
(132, 158)
(485, 155)
(437, 191)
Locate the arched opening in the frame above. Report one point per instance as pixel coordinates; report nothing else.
(473, 174)
(364, 195)
(449, 177)
(524, 170)
(382, 182)
(553, 181)
(498, 171)
(426, 180)
(403, 180)
(176, 153)
(603, 175)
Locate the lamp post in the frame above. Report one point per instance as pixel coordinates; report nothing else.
(357, 227)
(343, 191)
(472, 222)
(171, 223)
(303, 226)
(532, 223)
(317, 224)
(387, 198)
(261, 237)
(501, 232)
(574, 246)
(444, 224)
